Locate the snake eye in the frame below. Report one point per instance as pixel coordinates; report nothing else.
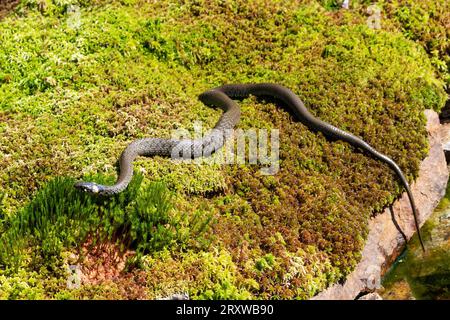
(94, 188)
(89, 187)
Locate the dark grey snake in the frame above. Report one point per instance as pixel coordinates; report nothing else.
(222, 97)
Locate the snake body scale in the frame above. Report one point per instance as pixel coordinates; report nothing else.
(222, 97)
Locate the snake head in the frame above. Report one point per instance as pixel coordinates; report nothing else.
(89, 187)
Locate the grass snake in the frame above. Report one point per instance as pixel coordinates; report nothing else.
(222, 97)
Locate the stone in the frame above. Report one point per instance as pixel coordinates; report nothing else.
(371, 296)
(446, 140)
(384, 242)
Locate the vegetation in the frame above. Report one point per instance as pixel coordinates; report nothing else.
(77, 84)
(61, 217)
(426, 22)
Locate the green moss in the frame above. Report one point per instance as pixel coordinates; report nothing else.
(203, 275)
(425, 22)
(71, 98)
(266, 262)
(21, 285)
(61, 217)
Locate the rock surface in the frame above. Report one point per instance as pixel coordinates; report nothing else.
(446, 140)
(371, 296)
(385, 242)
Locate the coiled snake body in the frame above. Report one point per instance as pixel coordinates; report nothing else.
(222, 97)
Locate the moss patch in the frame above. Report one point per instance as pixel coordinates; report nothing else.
(74, 93)
(426, 22)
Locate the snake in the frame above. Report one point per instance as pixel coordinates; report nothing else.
(223, 97)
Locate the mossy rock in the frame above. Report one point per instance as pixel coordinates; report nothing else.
(74, 94)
